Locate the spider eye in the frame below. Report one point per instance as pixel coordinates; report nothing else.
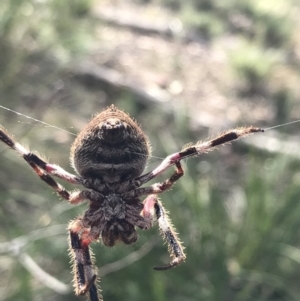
(112, 124)
(113, 129)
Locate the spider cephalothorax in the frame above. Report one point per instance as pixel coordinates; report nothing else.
(109, 155)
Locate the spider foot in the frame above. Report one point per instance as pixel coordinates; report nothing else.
(90, 289)
(172, 264)
(85, 288)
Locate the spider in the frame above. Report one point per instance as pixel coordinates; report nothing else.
(109, 156)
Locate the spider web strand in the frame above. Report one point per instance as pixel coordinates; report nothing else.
(283, 124)
(37, 120)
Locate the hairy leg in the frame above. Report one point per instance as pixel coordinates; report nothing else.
(154, 210)
(35, 161)
(196, 149)
(84, 274)
(45, 170)
(157, 187)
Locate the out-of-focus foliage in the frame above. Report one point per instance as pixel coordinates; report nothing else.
(237, 209)
(30, 30)
(265, 21)
(263, 35)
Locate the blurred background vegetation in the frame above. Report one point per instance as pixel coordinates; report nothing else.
(185, 70)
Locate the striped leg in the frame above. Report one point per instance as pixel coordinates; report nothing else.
(84, 275)
(195, 150)
(157, 187)
(35, 161)
(154, 210)
(44, 170)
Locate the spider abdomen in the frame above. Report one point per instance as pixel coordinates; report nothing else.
(112, 147)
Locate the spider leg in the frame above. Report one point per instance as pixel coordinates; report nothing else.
(154, 209)
(84, 274)
(157, 187)
(42, 169)
(196, 149)
(34, 160)
(74, 197)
